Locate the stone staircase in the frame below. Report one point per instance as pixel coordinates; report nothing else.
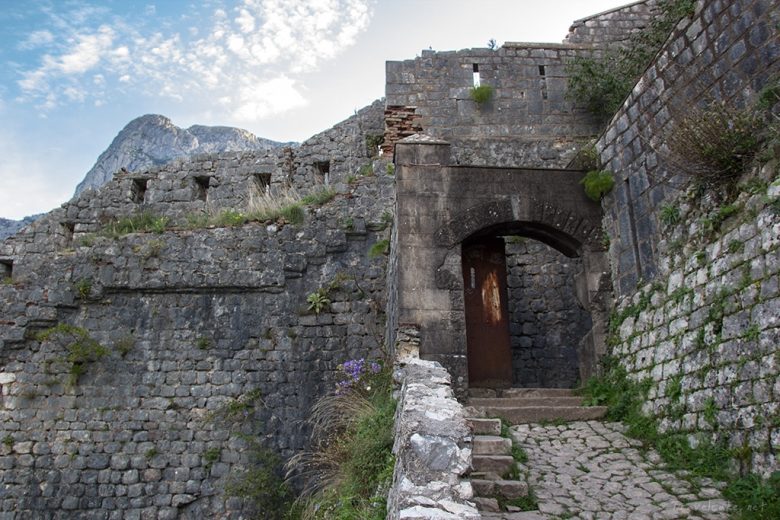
(499, 481)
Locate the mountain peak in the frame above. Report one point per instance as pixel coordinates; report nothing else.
(153, 139)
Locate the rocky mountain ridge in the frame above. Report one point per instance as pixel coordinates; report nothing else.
(153, 140)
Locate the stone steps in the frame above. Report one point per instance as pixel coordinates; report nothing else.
(529, 405)
(525, 401)
(535, 414)
(492, 458)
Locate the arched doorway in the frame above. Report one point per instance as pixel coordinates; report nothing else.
(525, 323)
(441, 208)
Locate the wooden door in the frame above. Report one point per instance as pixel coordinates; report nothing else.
(487, 317)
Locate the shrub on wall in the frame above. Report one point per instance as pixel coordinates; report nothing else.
(598, 183)
(601, 84)
(714, 144)
(481, 94)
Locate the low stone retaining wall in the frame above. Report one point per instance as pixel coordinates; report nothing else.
(432, 448)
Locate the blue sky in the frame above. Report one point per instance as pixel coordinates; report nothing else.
(74, 72)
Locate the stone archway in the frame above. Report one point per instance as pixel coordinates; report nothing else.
(440, 205)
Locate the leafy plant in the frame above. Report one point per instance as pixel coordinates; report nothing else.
(390, 169)
(319, 197)
(124, 345)
(8, 441)
(318, 301)
(81, 348)
(597, 183)
(230, 218)
(203, 343)
(755, 498)
(294, 214)
(261, 484)
(210, 456)
(481, 94)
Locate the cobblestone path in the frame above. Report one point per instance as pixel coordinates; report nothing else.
(590, 470)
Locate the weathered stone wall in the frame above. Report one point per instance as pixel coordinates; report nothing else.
(209, 337)
(706, 333)
(698, 302)
(727, 51)
(547, 322)
(432, 447)
(528, 122)
(613, 26)
(441, 206)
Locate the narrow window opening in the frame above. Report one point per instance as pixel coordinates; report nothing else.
(541, 70)
(322, 171)
(6, 269)
(475, 74)
(543, 81)
(262, 182)
(138, 190)
(634, 234)
(202, 187)
(67, 230)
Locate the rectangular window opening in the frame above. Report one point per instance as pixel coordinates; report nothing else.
(67, 230)
(138, 190)
(541, 70)
(322, 171)
(202, 187)
(475, 74)
(262, 182)
(6, 268)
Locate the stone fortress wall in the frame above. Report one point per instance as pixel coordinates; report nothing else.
(698, 302)
(209, 340)
(210, 343)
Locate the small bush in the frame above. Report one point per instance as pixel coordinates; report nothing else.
(481, 94)
(381, 247)
(81, 348)
(597, 183)
(84, 288)
(351, 464)
(714, 145)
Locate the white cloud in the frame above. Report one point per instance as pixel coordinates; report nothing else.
(36, 39)
(250, 58)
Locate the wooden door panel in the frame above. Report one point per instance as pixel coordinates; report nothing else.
(487, 316)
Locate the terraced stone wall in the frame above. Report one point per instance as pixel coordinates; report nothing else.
(190, 346)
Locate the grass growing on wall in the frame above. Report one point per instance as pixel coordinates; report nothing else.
(348, 472)
(752, 497)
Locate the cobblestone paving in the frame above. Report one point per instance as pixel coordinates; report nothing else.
(590, 470)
